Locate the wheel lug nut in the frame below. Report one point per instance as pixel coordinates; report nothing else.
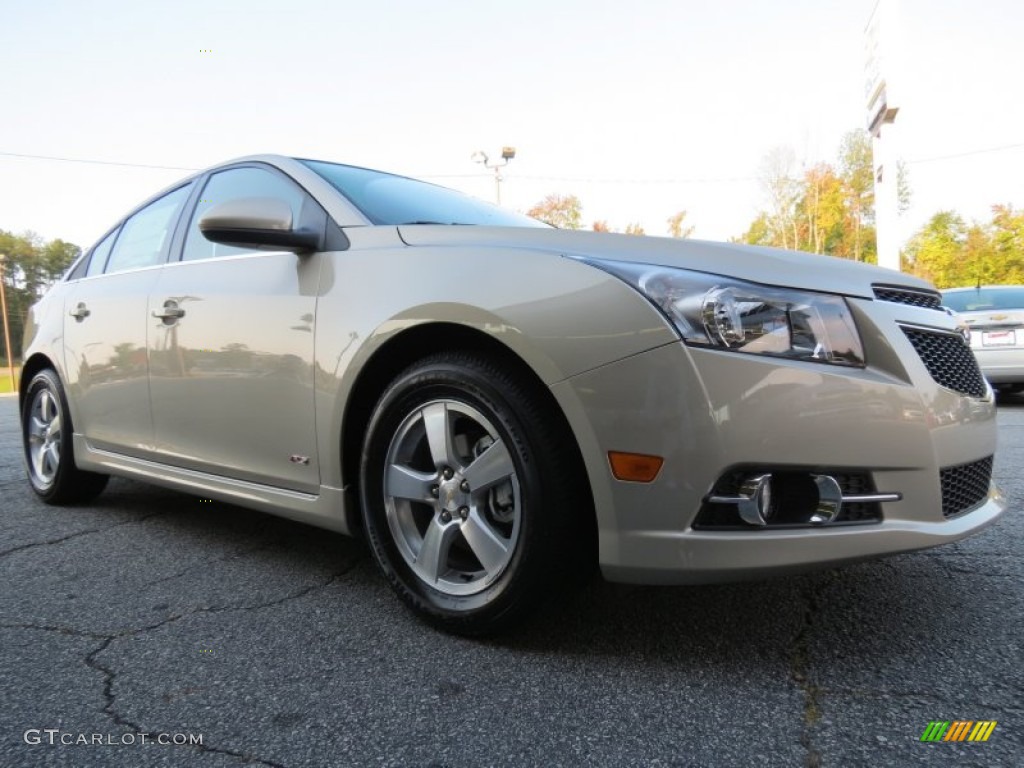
(435, 491)
(446, 516)
(447, 473)
(463, 512)
(464, 486)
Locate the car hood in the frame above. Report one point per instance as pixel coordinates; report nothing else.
(771, 266)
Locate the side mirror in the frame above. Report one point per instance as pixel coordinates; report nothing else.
(256, 222)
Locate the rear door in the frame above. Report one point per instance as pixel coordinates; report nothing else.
(105, 328)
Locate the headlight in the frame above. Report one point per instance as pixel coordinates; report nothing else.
(724, 313)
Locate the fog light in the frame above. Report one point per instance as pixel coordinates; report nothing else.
(830, 500)
(754, 501)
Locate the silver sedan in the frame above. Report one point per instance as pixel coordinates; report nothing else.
(499, 408)
(994, 317)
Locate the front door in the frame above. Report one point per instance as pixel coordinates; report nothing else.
(231, 350)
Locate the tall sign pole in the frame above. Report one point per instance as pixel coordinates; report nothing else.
(881, 99)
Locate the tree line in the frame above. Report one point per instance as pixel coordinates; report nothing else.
(31, 264)
(829, 208)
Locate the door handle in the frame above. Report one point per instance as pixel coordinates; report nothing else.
(80, 312)
(170, 311)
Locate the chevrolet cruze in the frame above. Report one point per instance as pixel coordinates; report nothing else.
(499, 406)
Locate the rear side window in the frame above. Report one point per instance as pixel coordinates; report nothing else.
(981, 299)
(145, 235)
(98, 258)
(230, 185)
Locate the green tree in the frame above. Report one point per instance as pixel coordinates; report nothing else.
(31, 266)
(856, 170)
(938, 250)
(562, 211)
(1007, 235)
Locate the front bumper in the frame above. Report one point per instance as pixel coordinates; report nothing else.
(706, 412)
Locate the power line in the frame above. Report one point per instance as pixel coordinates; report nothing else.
(563, 179)
(98, 162)
(592, 180)
(987, 150)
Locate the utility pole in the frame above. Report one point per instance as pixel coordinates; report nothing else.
(7, 330)
(507, 155)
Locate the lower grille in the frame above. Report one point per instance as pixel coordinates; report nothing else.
(787, 496)
(949, 360)
(965, 486)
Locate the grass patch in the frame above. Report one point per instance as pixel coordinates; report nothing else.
(5, 380)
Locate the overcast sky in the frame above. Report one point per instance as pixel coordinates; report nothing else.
(639, 108)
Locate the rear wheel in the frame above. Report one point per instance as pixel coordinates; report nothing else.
(468, 494)
(49, 453)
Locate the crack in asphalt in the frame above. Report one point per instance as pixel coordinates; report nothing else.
(872, 693)
(110, 710)
(77, 534)
(92, 661)
(799, 672)
(110, 675)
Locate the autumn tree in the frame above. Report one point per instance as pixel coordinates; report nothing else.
(856, 170)
(601, 225)
(634, 228)
(676, 228)
(950, 252)
(562, 211)
(824, 208)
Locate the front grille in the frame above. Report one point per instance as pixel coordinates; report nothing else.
(911, 296)
(965, 486)
(949, 360)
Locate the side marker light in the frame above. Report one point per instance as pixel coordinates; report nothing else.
(634, 467)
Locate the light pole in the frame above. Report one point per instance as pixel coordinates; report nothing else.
(507, 155)
(7, 330)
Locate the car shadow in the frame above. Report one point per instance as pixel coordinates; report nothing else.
(859, 611)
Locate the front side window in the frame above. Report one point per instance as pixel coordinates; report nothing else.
(230, 185)
(145, 235)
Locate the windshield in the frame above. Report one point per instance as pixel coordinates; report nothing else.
(980, 299)
(387, 199)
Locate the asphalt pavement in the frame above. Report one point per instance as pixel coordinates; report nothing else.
(151, 616)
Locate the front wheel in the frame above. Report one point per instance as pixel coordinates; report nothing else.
(468, 493)
(49, 453)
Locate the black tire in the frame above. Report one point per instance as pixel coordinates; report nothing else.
(542, 506)
(49, 454)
